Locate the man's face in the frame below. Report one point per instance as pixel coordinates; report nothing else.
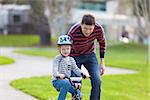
(87, 29)
(65, 50)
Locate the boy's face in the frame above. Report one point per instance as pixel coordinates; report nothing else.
(65, 50)
(87, 29)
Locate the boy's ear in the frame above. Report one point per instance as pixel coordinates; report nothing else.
(59, 47)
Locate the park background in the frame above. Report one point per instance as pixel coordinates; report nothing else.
(31, 28)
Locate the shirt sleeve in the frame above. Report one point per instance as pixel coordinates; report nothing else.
(55, 67)
(102, 42)
(75, 68)
(73, 29)
(70, 33)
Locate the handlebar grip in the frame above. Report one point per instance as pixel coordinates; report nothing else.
(67, 77)
(58, 77)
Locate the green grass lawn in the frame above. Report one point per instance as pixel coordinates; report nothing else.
(19, 40)
(22, 40)
(131, 56)
(5, 60)
(114, 87)
(46, 52)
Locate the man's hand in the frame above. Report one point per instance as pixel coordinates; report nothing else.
(85, 76)
(102, 67)
(102, 70)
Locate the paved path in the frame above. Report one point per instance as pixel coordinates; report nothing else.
(28, 66)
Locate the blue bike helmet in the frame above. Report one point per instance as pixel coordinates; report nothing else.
(64, 40)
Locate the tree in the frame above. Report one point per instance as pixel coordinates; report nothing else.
(58, 14)
(142, 11)
(125, 7)
(40, 21)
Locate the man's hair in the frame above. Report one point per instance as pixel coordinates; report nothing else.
(88, 19)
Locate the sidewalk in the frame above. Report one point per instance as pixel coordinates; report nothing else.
(28, 66)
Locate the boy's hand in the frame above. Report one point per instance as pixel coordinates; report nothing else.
(77, 85)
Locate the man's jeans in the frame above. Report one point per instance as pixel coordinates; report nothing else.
(91, 64)
(64, 86)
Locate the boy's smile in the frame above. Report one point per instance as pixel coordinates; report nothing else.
(65, 50)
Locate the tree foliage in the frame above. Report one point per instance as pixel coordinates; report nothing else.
(58, 14)
(142, 11)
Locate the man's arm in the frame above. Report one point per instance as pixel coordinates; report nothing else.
(102, 66)
(102, 49)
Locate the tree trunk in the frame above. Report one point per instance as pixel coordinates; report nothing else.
(148, 61)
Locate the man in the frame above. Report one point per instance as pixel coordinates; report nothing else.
(83, 35)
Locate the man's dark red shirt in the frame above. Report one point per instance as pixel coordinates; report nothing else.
(85, 45)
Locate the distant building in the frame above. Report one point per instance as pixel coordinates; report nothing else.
(15, 19)
(106, 14)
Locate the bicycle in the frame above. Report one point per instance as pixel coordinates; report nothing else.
(73, 81)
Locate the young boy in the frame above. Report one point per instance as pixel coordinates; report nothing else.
(63, 64)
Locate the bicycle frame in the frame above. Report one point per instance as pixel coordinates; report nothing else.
(76, 96)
